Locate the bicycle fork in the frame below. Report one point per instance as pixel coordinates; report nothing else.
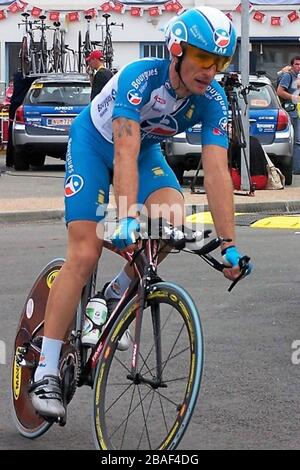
(136, 374)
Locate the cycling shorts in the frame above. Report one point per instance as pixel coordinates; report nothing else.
(89, 172)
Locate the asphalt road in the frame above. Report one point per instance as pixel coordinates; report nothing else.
(250, 390)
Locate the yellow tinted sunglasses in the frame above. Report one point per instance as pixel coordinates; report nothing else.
(206, 59)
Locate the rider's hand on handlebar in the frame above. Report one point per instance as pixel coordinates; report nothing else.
(235, 262)
(125, 233)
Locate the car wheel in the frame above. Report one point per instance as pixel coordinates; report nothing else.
(21, 159)
(37, 160)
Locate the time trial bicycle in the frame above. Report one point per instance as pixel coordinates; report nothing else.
(144, 397)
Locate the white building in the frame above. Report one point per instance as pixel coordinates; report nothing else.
(272, 46)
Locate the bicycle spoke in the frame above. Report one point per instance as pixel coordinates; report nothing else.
(122, 364)
(166, 398)
(124, 433)
(118, 398)
(151, 416)
(172, 349)
(145, 421)
(163, 412)
(171, 357)
(130, 414)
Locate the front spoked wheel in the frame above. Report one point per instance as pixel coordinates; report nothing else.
(152, 409)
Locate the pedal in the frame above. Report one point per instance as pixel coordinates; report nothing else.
(62, 421)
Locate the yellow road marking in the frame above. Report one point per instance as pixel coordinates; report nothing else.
(202, 218)
(287, 222)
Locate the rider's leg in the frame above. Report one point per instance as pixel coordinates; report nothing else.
(88, 175)
(84, 250)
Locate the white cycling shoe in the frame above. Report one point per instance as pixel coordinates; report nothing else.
(46, 397)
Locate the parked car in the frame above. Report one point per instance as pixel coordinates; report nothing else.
(42, 123)
(269, 123)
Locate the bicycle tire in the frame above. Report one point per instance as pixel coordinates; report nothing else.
(56, 49)
(43, 65)
(87, 45)
(79, 52)
(108, 52)
(111, 392)
(28, 422)
(63, 52)
(24, 57)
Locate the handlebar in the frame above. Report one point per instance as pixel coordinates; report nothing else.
(189, 241)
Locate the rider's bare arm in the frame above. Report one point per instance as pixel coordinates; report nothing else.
(219, 190)
(126, 150)
(218, 187)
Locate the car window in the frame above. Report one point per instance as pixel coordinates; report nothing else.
(262, 97)
(62, 94)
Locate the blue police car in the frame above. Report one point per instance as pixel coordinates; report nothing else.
(42, 123)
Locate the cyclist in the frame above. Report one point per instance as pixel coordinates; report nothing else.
(119, 133)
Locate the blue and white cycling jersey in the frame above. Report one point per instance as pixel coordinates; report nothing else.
(142, 91)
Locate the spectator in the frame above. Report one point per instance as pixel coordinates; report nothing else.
(20, 87)
(288, 90)
(95, 62)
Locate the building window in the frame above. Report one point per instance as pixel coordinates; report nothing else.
(155, 49)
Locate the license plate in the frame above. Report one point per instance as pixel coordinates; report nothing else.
(59, 121)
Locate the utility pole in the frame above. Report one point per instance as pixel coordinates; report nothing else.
(244, 63)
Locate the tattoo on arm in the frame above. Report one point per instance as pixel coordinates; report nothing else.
(124, 128)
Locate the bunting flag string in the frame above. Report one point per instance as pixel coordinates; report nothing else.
(117, 6)
(262, 17)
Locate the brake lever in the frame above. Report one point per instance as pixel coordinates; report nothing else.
(244, 266)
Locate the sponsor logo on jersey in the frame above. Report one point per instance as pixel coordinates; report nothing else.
(223, 123)
(158, 171)
(73, 185)
(166, 126)
(105, 103)
(144, 77)
(217, 131)
(221, 38)
(189, 114)
(134, 97)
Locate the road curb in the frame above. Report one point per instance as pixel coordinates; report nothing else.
(31, 216)
(282, 207)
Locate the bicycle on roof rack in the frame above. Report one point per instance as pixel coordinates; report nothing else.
(35, 57)
(85, 47)
(143, 397)
(108, 50)
(27, 53)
